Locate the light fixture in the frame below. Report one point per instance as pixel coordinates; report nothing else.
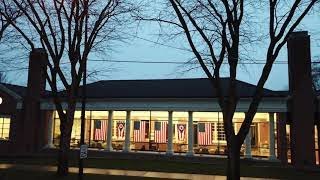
(0, 100)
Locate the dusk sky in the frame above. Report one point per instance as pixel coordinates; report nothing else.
(141, 48)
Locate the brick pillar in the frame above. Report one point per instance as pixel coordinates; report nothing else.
(34, 125)
(301, 105)
(282, 148)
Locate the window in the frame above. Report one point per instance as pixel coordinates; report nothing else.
(4, 128)
(76, 128)
(220, 132)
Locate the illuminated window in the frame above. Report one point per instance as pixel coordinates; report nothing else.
(119, 125)
(220, 130)
(76, 128)
(4, 128)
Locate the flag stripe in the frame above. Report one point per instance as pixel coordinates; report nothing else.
(205, 138)
(100, 133)
(139, 134)
(161, 134)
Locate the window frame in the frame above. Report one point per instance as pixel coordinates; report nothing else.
(2, 118)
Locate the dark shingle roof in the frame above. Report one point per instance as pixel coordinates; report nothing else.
(19, 90)
(169, 88)
(158, 88)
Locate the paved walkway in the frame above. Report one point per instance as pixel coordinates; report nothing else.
(118, 172)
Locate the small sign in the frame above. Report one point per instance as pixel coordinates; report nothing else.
(83, 151)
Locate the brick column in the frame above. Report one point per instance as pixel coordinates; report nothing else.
(282, 148)
(301, 105)
(33, 125)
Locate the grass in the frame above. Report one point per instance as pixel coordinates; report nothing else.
(248, 168)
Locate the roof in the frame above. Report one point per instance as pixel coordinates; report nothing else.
(169, 88)
(19, 90)
(158, 88)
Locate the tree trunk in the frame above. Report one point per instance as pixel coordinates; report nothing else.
(233, 169)
(63, 156)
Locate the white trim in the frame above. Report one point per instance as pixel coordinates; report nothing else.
(173, 104)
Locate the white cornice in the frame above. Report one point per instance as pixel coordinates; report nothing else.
(174, 104)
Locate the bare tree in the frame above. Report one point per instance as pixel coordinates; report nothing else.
(13, 13)
(215, 31)
(69, 31)
(3, 78)
(4, 24)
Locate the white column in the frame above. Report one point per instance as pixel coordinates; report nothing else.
(190, 134)
(127, 136)
(247, 151)
(272, 152)
(216, 139)
(109, 131)
(170, 134)
(50, 130)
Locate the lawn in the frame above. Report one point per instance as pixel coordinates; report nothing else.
(248, 168)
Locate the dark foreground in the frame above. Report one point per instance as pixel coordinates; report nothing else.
(208, 166)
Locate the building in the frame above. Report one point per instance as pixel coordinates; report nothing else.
(168, 115)
(147, 110)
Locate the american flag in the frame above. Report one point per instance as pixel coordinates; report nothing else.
(181, 129)
(204, 134)
(160, 132)
(100, 128)
(120, 129)
(140, 131)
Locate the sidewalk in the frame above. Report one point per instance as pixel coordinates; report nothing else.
(118, 172)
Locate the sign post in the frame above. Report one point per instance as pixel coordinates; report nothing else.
(83, 147)
(83, 151)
